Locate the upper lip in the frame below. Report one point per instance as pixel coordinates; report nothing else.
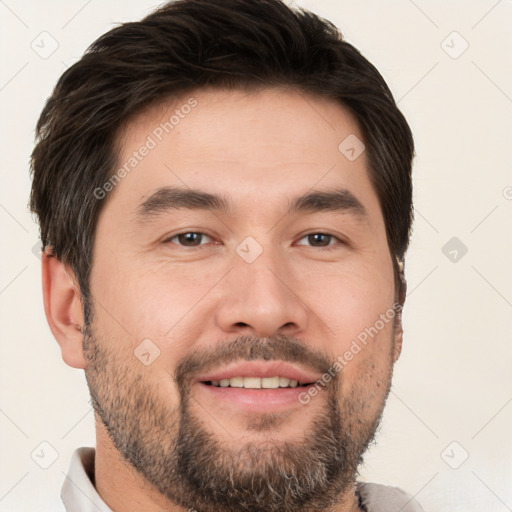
(261, 369)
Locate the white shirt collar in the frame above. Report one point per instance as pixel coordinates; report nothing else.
(78, 492)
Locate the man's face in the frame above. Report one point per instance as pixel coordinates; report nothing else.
(190, 295)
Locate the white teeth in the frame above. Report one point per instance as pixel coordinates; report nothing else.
(236, 382)
(256, 382)
(270, 382)
(252, 382)
(284, 382)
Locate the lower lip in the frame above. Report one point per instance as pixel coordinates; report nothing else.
(259, 400)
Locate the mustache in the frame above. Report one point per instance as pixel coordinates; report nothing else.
(249, 348)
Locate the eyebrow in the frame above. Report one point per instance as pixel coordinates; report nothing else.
(176, 198)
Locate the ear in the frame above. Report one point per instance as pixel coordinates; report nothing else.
(398, 329)
(398, 336)
(63, 309)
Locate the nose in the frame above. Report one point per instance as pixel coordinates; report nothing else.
(261, 298)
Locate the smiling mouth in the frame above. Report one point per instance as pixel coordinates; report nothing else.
(275, 382)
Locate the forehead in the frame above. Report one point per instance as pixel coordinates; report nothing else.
(251, 146)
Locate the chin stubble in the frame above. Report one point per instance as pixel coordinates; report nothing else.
(180, 455)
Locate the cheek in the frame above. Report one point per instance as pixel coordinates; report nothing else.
(357, 307)
(352, 301)
(171, 298)
(368, 363)
(145, 300)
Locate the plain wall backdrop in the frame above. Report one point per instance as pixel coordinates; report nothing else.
(446, 436)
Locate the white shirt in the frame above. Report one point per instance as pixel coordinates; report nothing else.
(79, 495)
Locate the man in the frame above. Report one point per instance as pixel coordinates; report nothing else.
(224, 195)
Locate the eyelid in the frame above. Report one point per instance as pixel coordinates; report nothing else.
(305, 235)
(169, 238)
(330, 246)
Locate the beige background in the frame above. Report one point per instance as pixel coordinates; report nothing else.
(453, 382)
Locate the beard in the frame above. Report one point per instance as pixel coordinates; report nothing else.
(177, 452)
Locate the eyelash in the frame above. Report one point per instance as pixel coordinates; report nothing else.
(192, 248)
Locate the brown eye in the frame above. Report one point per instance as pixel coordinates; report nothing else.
(189, 239)
(319, 239)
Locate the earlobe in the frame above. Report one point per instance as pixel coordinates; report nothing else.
(398, 329)
(398, 337)
(63, 309)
